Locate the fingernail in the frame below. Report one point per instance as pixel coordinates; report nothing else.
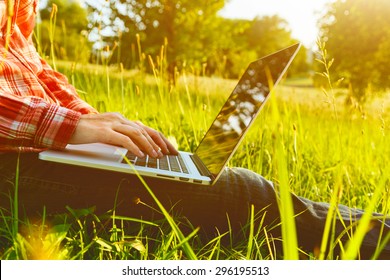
(154, 154)
(141, 154)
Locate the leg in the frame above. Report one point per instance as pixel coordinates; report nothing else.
(57, 185)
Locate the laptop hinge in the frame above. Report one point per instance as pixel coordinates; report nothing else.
(200, 166)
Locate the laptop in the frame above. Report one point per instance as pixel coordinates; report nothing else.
(205, 165)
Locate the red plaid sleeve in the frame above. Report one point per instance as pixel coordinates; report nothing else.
(28, 124)
(39, 108)
(26, 11)
(63, 91)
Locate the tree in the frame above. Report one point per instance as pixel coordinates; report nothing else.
(67, 24)
(230, 55)
(191, 33)
(268, 34)
(271, 33)
(381, 75)
(160, 21)
(356, 36)
(248, 40)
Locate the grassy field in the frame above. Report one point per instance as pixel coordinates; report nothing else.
(306, 139)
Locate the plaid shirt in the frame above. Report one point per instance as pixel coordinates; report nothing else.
(38, 107)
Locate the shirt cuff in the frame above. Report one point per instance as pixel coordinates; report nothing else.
(57, 127)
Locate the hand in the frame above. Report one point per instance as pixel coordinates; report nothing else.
(114, 129)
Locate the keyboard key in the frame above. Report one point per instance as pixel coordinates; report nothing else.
(141, 161)
(152, 162)
(130, 157)
(167, 162)
(174, 163)
(182, 164)
(163, 163)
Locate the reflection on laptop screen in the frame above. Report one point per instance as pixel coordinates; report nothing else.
(241, 108)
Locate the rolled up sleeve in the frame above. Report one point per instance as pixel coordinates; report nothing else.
(30, 123)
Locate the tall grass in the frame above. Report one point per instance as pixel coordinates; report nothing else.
(307, 151)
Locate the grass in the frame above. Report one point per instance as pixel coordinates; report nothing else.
(305, 139)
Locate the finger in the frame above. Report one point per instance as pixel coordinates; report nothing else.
(165, 145)
(154, 141)
(172, 150)
(156, 152)
(158, 138)
(139, 137)
(119, 139)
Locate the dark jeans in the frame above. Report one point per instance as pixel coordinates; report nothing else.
(59, 185)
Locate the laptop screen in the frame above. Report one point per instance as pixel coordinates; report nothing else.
(242, 107)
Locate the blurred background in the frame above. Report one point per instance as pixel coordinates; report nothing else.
(220, 37)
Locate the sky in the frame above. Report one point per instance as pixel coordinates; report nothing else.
(301, 15)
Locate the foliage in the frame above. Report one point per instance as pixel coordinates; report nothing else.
(357, 37)
(192, 33)
(178, 22)
(63, 27)
(268, 34)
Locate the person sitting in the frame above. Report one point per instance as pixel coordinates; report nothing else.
(40, 109)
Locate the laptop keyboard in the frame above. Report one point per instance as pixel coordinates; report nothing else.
(167, 162)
